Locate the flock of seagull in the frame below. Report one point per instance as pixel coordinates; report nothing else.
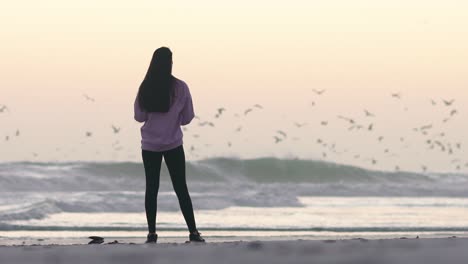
(433, 142)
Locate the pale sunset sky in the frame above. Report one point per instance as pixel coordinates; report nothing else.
(235, 54)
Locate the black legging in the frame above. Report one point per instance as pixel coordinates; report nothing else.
(175, 162)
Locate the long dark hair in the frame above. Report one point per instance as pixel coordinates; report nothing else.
(156, 90)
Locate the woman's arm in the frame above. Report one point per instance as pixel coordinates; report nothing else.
(187, 111)
(140, 115)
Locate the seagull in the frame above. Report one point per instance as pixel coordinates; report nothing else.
(7, 138)
(397, 168)
(426, 127)
(433, 102)
(248, 110)
(17, 133)
(3, 108)
(300, 124)
(116, 129)
(324, 123)
(445, 120)
(195, 135)
(229, 144)
(424, 168)
(220, 111)
(87, 97)
(319, 141)
(453, 112)
(448, 103)
(324, 154)
(282, 133)
(319, 92)
(350, 120)
(206, 123)
(258, 106)
(312, 103)
(380, 138)
(371, 126)
(277, 139)
(239, 129)
(89, 134)
(396, 95)
(367, 113)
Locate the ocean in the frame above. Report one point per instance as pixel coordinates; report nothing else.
(263, 198)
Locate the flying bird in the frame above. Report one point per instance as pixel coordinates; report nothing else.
(220, 111)
(17, 133)
(324, 123)
(277, 139)
(89, 134)
(3, 108)
(299, 124)
(87, 97)
(115, 129)
(448, 102)
(281, 133)
(248, 110)
(206, 123)
(396, 95)
(453, 112)
(258, 106)
(369, 114)
(426, 127)
(319, 92)
(424, 168)
(350, 120)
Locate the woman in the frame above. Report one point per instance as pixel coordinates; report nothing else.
(164, 103)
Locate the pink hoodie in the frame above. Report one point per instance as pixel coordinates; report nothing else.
(162, 131)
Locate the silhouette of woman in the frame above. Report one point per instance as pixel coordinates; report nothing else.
(164, 103)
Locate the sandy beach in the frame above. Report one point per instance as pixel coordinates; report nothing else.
(431, 250)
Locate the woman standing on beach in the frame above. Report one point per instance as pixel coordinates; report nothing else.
(164, 103)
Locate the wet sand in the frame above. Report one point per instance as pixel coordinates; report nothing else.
(359, 251)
